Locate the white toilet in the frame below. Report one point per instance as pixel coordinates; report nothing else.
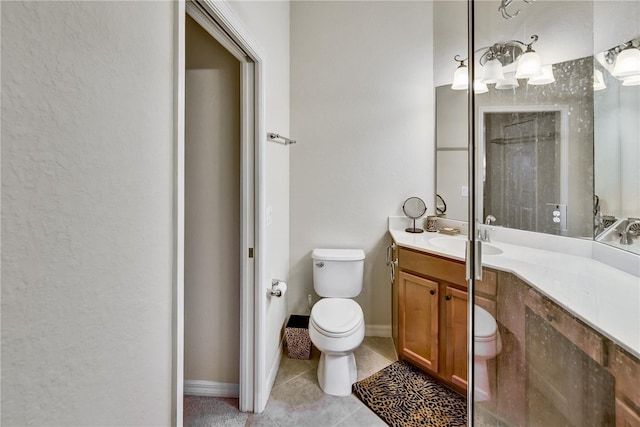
(487, 345)
(336, 326)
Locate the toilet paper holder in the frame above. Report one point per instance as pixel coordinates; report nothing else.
(275, 291)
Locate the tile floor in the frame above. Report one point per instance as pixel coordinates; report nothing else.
(296, 399)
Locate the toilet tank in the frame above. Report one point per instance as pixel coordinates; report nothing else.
(338, 273)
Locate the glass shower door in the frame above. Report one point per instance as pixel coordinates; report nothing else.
(537, 359)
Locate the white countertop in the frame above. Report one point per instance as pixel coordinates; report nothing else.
(605, 298)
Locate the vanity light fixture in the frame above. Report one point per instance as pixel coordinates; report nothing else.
(492, 71)
(496, 57)
(544, 78)
(627, 63)
(461, 75)
(598, 80)
(625, 59)
(529, 62)
(509, 82)
(479, 86)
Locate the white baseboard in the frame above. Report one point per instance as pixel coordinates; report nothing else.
(273, 372)
(211, 388)
(377, 331)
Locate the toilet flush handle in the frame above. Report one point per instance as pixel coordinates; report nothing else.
(320, 264)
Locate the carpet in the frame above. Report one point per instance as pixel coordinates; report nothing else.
(404, 396)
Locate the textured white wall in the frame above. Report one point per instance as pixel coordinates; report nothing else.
(212, 210)
(268, 22)
(362, 109)
(87, 112)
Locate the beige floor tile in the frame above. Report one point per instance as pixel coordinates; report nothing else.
(301, 402)
(296, 398)
(291, 368)
(363, 417)
(369, 362)
(381, 345)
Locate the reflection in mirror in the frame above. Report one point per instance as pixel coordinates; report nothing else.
(541, 148)
(524, 170)
(603, 176)
(617, 158)
(551, 151)
(452, 178)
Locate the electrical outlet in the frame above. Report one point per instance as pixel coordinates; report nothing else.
(559, 215)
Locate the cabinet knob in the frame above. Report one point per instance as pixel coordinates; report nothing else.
(448, 297)
(432, 292)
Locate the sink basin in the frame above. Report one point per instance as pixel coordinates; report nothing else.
(458, 245)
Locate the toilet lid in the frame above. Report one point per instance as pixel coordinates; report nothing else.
(485, 325)
(336, 315)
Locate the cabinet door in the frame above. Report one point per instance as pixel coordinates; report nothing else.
(418, 320)
(456, 339)
(625, 416)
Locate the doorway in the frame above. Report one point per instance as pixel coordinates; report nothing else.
(222, 25)
(522, 169)
(523, 177)
(212, 216)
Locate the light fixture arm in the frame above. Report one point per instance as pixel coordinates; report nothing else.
(506, 52)
(457, 58)
(535, 39)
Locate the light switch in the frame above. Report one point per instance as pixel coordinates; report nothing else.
(464, 191)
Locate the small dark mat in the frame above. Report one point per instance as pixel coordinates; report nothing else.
(404, 396)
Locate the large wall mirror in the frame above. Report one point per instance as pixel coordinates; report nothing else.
(556, 158)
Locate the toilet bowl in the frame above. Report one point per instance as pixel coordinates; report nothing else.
(487, 345)
(336, 328)
(336, 324)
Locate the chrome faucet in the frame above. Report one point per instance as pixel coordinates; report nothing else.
(484, 233)
(625, 237)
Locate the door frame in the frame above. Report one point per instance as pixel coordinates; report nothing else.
(563, 110)
(217, 18)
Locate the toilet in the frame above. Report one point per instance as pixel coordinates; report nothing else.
(487, 345)
(336, 325)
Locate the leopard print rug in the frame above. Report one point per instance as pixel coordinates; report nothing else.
(404, 396)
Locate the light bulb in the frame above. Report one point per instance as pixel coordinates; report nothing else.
(461, 78)
(528, 65)
(598, 80)
(479, 87)
(627, 63)
(544, 78)
(509, 82)
(492, 72)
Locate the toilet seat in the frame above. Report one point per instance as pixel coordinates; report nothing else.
(336, 317)
(485, 325)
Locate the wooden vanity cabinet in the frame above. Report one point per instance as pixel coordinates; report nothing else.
(432, 314)
(626, 370)
(456, 306)
(418, 320)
